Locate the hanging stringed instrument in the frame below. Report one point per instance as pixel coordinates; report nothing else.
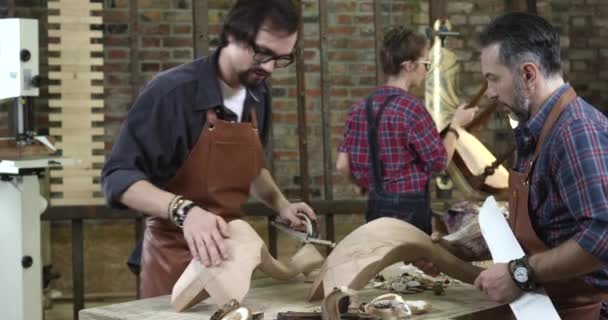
(474, 169)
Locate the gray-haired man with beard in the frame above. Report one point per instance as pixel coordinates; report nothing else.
(558, 206)
(559, 188)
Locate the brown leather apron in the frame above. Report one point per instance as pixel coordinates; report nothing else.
(573, 298)
(216, 175)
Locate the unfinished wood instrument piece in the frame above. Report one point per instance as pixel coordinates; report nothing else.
(232, 279)
(374, 246)
(477, 157)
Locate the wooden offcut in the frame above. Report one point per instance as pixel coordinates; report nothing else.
(76, 106)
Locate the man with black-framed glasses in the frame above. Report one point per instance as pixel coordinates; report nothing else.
(189, 153)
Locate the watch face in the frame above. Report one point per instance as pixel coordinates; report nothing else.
(521, 274)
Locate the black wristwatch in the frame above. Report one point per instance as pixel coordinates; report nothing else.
(180, 214)
(522, 274)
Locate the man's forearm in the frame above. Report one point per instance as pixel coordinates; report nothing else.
(566, 261)
(147, 198)
(266, 190)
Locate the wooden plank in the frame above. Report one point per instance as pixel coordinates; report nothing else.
(89, 158)
(76, 12)
(64, 117)
(92, 75)
(80, 62)
(75, 175)
(72, 27)
(76, 104)
(79, 146)
(83, 138)
(84, 180)
(459, 300)
(68, 47)
(77, 201)
(67, 89)
(74, 96)
(63, 4)
(66, 103)
(78, 194)
(83, 166)
(73, 188)
(70, 34)
(68, 132)
(75, 55)
(82, 126)
(75, 20)
(72, 43)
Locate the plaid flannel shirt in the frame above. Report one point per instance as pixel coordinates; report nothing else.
(569, 182)
(408, 140)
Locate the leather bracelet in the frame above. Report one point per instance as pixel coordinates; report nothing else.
(176, 205)
(170, 207)
(454, 131)
(182, 212)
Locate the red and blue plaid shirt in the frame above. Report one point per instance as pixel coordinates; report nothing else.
(409, 144)
(569, 182)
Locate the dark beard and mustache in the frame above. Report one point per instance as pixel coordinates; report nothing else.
(520, 110)
(247, 77)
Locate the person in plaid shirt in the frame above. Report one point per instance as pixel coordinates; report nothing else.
(559, 186)
(394, 157)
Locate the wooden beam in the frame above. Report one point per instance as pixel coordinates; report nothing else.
(200, 33)
(301, 101)
(326, 116)
(378, 39)
(134, 48)
(78, 266)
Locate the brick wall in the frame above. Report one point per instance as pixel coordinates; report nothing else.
(584, 29)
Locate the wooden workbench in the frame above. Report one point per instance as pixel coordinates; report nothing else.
(272, 297)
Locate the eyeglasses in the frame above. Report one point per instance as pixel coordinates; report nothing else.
(261, 55)
(426, 63)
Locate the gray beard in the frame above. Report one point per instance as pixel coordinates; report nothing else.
(520, 110)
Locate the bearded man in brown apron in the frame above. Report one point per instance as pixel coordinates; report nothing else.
(189, 153)
(558, 206)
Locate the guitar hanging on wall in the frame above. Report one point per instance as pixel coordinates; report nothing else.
(474, 170)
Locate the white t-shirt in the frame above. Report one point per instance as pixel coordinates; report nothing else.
(234, 99)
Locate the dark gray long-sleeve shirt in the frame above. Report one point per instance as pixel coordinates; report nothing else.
(165, 122)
